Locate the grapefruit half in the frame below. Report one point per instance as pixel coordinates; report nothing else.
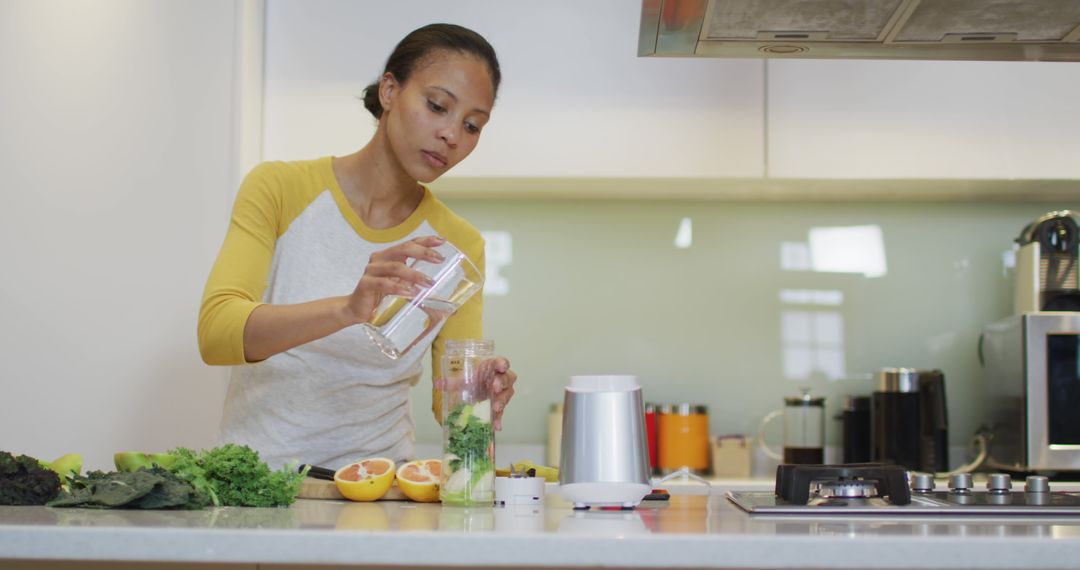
(419, 480)
(366, 480)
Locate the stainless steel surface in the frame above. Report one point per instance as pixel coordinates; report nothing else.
(1008, 30)
(902, 380)
(935, 503)
(1037, 484)
(685, 409)
(922, 482)
(980, 503)
(1015, 372)
(603, 438)
(998, 483)
(960, 483)
(878, 489)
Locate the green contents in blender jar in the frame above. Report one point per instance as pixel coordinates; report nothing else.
(469, 465)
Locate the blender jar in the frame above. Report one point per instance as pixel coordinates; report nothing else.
(468, 469)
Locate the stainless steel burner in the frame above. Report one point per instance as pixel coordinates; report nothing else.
(869, 489)
(846, 489)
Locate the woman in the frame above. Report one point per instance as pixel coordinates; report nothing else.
(312, 248)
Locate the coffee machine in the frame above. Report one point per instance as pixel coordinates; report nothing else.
(1046, 264)
(1031, 374)
(908, 421)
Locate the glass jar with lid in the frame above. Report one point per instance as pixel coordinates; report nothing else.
(468, 470)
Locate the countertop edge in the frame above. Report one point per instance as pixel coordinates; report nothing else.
(377, 548)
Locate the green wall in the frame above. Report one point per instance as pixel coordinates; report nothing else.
(599, 287)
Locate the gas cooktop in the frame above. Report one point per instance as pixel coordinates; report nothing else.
(869, 488)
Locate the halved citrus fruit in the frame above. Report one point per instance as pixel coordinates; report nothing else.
(419, 480)
(365, 480)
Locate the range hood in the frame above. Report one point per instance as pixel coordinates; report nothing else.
(1001, 30)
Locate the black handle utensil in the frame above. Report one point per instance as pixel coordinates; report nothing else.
(316, 472)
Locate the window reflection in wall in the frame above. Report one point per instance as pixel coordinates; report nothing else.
(811, 321)
(812, 334)
(498, 254)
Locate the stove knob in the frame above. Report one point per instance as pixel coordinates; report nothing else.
(998, 483)
(960, 483)
(1037, 484)
(922, 482)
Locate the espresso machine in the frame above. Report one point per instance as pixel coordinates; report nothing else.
(1031, 359)
(1046, 264)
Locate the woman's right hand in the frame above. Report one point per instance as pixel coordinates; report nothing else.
(387, 274)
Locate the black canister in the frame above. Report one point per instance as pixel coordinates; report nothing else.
(855, 429)
(908, 422)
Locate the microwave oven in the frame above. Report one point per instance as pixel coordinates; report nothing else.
(1031, 376)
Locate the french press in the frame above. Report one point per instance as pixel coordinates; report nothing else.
(804, 430)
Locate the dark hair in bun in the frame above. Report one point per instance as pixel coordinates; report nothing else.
(421, 42)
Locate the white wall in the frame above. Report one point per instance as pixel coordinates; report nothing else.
(116, 170)
(576, 101)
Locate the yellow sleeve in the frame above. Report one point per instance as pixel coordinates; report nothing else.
(468, 321)
(238, 278)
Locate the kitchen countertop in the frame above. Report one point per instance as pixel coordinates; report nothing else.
(696, 528)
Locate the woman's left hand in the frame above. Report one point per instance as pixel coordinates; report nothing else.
(502, 388)
(496, 373)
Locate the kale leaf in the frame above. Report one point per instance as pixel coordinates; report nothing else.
(24, 481)
(154, 488)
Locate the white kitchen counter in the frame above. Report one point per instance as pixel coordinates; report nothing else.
(691, 530)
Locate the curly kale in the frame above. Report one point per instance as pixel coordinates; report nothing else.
(469, 441)
(24, 481)
(188, 467)
(233, 475)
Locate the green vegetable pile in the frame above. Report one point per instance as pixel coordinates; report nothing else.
(469, 440)
(233, 475)
(228, 476)
(470, 470)
(154, 488)
(24, 481)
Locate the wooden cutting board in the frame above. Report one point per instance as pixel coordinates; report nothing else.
(312, 488)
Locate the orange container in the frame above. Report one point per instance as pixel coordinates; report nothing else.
(683, 433)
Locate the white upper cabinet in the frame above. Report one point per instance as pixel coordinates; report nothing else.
(923, 119)
(576, 100)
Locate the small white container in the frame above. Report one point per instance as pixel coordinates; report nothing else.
(519, 490)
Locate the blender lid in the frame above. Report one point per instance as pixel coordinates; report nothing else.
(603, 383)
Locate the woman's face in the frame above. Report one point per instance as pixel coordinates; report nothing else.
(434, 120)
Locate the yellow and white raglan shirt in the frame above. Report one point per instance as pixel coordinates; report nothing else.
(293, 238)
